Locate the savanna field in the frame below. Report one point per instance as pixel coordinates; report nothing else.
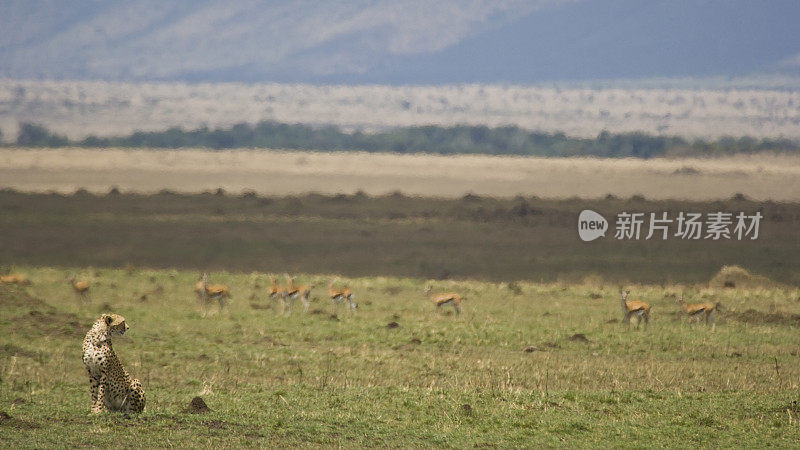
(373, 225)
(524, 364)
(539, 355)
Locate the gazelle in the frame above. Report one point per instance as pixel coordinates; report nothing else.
(697, 310)
(445, 298)
(18, 279)
(277, 292)
(80, 287)
(208, 292)
(199, 290)
(340, 295)
(635, 308)
(302, 292)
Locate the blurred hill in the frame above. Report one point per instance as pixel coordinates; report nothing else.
(396, 42)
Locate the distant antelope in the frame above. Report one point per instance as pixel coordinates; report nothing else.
(277, 292)
(635, 308)
(80, 287)
(445, 298)
(340, 295)
(199, 290)
(18, 279)
(302, 292)
(208, 292)
(697, 310)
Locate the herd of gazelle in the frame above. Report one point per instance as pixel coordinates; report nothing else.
(81, 288)
(288, 294)
(641, 310)
(207, 293)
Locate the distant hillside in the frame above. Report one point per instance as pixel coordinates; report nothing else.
(385, 41)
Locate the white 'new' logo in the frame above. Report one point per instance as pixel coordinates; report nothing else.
(591, 225)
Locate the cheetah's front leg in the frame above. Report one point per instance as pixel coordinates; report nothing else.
(136, 398)
(94, 384)
(99, 404)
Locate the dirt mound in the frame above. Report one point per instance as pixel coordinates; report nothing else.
(579, 337)
(41, 318)
(198, 406)
(392, 325)
(11, 295)
(541, 348)
(738, 277)
(50, 323)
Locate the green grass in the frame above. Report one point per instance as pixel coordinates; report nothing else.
(329, 379)
(357, 235)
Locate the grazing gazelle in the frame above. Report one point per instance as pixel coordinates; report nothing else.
(208, 292)
(697, 310)
(445, 298)
(635, 308)
(80, 287)
(302, 292)
(340, 295)
(15, 278)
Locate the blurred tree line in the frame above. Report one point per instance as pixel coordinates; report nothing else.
(462, 139)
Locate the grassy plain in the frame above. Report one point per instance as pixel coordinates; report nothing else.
(522, 238)
(397, 374)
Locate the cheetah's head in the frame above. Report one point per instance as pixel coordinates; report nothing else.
(115, 325)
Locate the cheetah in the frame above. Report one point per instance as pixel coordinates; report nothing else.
(111, 387)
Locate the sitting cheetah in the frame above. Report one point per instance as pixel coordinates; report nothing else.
(112, 388)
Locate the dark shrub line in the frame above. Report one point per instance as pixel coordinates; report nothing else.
(461, 139)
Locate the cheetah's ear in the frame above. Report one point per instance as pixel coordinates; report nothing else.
(108, 319)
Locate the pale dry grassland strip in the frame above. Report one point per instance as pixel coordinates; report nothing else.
(760, 177)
